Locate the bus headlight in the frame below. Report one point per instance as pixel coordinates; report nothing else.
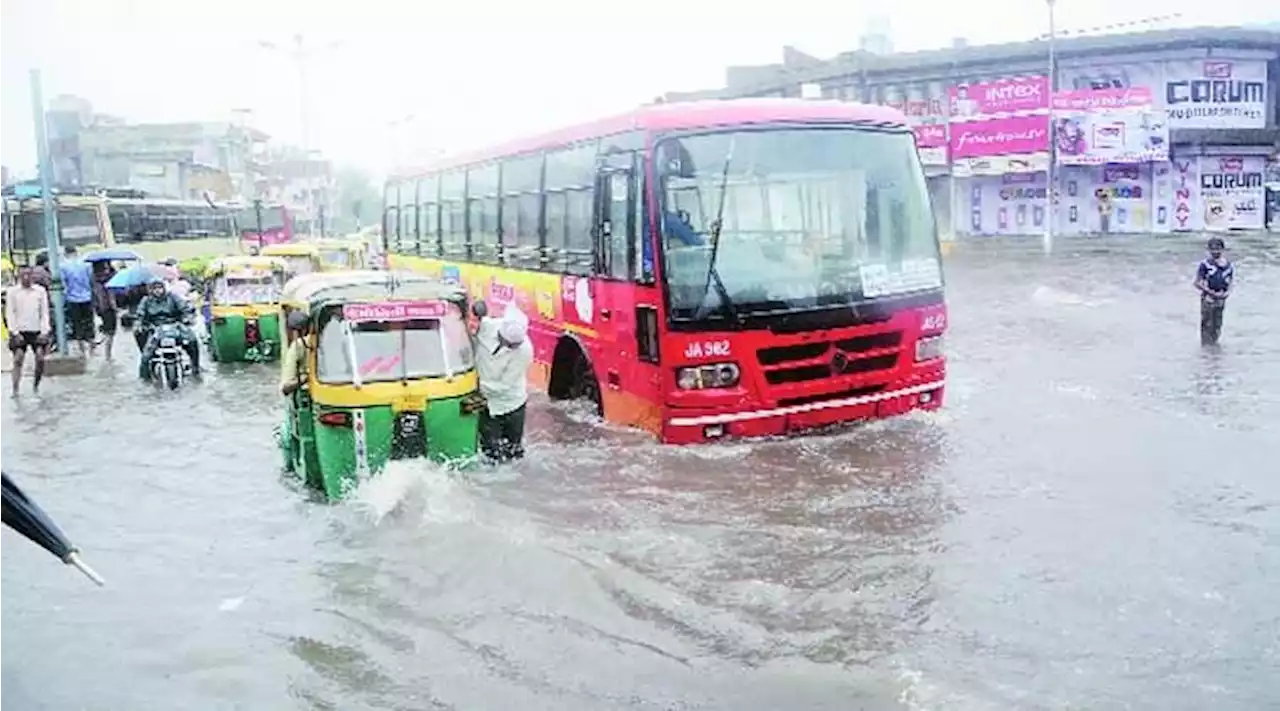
(714, 375)
(929, 348)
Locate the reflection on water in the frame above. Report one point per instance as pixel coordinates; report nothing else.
(1091, 522)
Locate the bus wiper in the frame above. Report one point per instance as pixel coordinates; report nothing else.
(713, 275)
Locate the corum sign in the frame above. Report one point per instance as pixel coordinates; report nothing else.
(1216, 94)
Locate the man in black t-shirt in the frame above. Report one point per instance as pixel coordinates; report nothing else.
(1213, 280)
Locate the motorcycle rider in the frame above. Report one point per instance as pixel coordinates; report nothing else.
(157, 307)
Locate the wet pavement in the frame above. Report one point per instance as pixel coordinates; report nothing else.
(1092, 522)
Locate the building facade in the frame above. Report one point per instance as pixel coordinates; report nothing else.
(172, 160)
(1154, 132)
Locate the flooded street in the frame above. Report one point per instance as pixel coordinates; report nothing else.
(1091, 522)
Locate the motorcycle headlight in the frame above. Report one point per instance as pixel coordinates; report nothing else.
(713, 375)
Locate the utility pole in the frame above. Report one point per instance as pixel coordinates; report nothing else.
(51, 242)
(1051, 202)
(300, 53)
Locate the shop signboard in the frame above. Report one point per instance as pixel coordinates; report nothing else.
(1099, 126)
(1217, 92)
(1232, 192)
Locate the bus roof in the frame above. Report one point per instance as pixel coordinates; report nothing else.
(62, 201)
(679, 116)
(161, 202)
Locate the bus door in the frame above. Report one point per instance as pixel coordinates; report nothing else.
(627, 307)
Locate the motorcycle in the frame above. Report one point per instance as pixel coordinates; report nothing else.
(170, 364)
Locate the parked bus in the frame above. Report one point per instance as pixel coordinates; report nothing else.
(187, 229)
(264, 225)
(82, 222)
(701, 270)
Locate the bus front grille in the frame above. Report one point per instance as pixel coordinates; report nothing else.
(805, 362)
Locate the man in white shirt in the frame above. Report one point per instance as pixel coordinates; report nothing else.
(26, 311)
(503, 358)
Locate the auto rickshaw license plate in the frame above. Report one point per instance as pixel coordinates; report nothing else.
(410, 422)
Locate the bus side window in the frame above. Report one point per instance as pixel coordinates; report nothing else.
(614, 229)
(647, 334)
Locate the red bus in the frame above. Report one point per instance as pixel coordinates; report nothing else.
(701, 270)
(269, 224)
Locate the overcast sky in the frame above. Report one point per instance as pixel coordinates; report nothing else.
(469, 72)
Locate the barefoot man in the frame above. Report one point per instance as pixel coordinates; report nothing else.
(27, 312)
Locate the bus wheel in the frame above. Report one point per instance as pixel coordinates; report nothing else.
(572, 377)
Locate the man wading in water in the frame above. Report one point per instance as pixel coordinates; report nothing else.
(1213, 280)
(27, 313)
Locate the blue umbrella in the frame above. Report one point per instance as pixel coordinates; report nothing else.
(113, 255)
(136, 275)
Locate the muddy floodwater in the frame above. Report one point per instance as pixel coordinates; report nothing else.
(1091, 522)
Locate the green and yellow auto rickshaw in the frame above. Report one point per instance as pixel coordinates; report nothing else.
(300, 257)
(340, 255)
(388, 373)
(241, 306)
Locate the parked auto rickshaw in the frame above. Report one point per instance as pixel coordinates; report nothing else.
(338, 255)
(241, 306)
(388, 374)
(300, 257)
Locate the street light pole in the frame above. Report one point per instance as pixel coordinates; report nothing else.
(300, 54)
(1051, 201)
(48, 202)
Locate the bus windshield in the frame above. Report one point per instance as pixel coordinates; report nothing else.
(811, 217)
(394, 350)
(78, 227)
(272, 219)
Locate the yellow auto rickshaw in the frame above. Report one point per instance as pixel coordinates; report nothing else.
(299, 257)
(388, 373)
(340, 255)
(241, 306)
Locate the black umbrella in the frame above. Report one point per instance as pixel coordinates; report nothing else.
(26, 517)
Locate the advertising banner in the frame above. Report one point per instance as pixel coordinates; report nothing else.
(1013, 95)
(1111, 136)
(930, 135)
(1098, 126)
(1006, 205)
(925, 108)
(1007, 117)
(1232, 192)
(1194, 93)
(1126, 187)
(1000, 136)
(999, 165)
(1187, 215)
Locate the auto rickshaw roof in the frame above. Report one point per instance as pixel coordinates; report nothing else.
(367, 286)
(237, 262)
(290, 249)
(350, 246)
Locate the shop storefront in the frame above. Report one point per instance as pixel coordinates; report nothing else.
(999, 146)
